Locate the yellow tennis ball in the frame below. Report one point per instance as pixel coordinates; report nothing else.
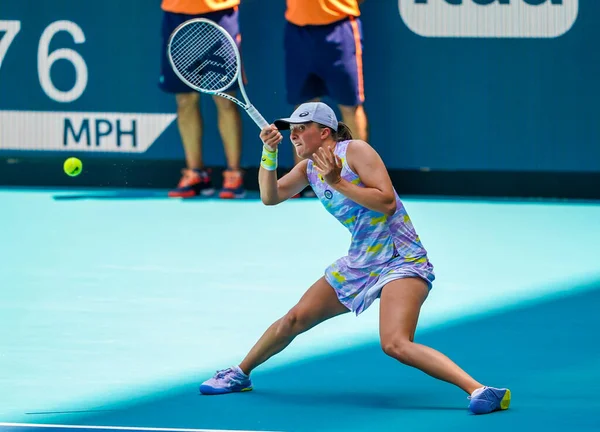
(73, 166)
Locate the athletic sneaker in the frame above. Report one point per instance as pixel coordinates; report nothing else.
(233, 185)
(485, 400)
(193, 182)
(227, 381)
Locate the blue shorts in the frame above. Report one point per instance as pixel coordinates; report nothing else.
(169, 82)
(324, 60)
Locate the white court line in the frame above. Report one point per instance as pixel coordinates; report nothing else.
(56, 426)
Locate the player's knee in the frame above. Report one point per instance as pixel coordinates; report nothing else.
(292, 324)
(187, 101)
(400, 349)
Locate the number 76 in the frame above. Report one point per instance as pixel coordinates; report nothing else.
(46, 59)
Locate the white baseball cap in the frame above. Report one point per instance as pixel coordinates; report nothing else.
(317, 112)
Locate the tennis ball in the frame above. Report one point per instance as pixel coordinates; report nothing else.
(73, 166)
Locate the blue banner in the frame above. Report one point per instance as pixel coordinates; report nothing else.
(450, 84)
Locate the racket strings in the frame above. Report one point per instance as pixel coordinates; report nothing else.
(190, 48)
(204, 56)
(191, 44)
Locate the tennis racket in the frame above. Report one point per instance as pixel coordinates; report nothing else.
(206, 58)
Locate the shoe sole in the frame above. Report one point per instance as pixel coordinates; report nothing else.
(191, 194)
(211, 391)
(505, 402)
(232, 195)
(479, 407)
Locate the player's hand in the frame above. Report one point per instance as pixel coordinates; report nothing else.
(271, 137)
(328, 165)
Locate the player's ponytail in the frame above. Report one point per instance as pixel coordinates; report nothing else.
(343, 133)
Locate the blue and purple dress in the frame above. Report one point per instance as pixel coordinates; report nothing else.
(383, 248)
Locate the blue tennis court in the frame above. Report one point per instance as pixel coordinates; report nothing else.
(117, 304)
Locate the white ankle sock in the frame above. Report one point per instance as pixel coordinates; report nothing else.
(477, 391)
(240, 371)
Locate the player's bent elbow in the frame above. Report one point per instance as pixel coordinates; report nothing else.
(390, 206)
(269, 201)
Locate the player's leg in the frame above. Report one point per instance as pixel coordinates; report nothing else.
(400, 305)
(343, 74)
(229, 116)
(318, 304)
(195, 179)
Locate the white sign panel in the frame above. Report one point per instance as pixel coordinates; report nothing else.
(489, 18)
(79, 131)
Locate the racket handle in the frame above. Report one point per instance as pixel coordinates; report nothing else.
(257, 117)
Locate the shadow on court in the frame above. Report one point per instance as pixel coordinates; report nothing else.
(547, 353)
(141, 195)
(113, 195)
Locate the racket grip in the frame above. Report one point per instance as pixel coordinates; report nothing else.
(257, 117)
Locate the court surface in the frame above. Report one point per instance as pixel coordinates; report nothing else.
(116, 304)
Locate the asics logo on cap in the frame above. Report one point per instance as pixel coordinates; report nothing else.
(303, 114)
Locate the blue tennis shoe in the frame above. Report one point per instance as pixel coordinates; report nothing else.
(485, 400)
(227, 381)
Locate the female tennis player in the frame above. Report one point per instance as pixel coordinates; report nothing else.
(386, 258)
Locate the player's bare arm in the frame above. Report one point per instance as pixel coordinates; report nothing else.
(378, 193)
(272, 190)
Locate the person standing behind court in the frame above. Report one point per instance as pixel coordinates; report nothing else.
(196, 179)
(323, 44)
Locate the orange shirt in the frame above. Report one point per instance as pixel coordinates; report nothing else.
(320, 12)
(197, 7)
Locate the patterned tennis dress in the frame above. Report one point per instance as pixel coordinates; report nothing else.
(383, 248)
